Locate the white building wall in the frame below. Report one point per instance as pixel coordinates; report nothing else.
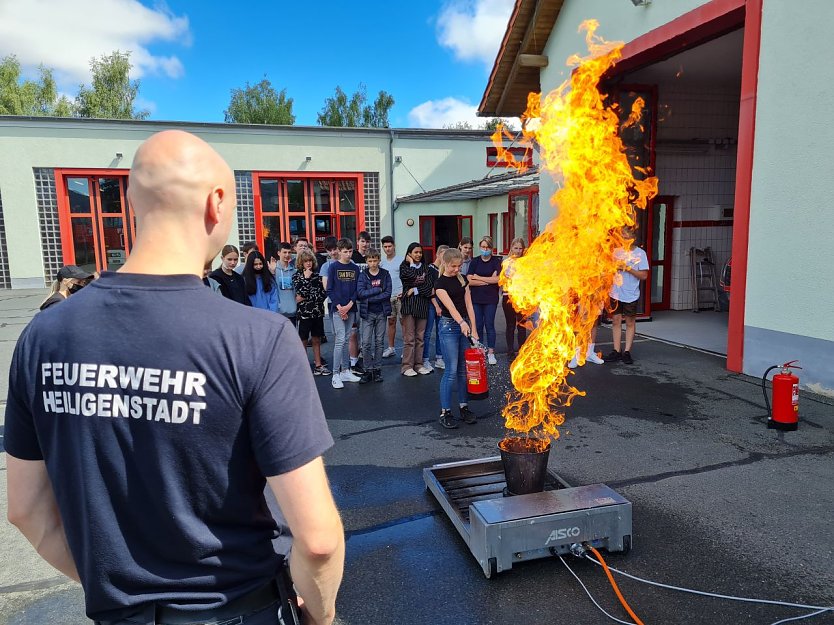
(428, 161)
(789, 298)
(619, 21)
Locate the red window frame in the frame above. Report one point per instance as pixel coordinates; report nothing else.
(530, 193)
(523, 155)
(492, 221)
(65, 217)
(310, 213)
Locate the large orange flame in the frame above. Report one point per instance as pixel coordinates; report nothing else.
(567, 272)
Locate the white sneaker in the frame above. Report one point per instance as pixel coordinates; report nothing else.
(409, 373)
(336, 382)
(427, 365)
(347, 376)
(491, 359)
(592, 357)
(439, 364)
(573, 364)
(388, 352)
(424, 370)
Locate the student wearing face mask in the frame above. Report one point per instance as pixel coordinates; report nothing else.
(260, 285)
(70, 279)
(483, 281)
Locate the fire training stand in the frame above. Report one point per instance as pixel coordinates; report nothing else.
(502, 530)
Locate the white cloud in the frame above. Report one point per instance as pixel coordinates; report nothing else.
(474, 29)
(65, 35)
(439, 113)
(449, 111)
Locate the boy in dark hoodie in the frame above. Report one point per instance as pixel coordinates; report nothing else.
(374, 296)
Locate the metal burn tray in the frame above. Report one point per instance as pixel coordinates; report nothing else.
(501, 530)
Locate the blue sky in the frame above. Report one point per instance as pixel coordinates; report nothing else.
(433, 56)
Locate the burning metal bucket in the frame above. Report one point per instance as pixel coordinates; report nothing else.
(525, 464)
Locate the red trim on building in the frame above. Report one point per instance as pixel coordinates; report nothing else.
(706, 22)
(744, 181)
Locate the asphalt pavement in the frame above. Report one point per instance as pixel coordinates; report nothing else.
(720, 503)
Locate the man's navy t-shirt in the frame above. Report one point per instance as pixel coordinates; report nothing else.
(158, 408)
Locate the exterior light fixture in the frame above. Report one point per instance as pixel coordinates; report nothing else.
(308, 158)
(641, 3)
(119, 155)
(409, 222)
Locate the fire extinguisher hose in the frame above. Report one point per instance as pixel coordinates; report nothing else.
(764, 388)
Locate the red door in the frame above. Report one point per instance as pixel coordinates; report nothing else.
(427, 238)
(659, 251)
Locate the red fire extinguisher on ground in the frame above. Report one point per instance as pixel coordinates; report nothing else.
(477, 385)
(784, 415)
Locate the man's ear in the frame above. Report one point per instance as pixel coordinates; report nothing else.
(215, 206)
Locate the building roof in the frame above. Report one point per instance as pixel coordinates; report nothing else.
(518, 65)
(156, 125)
(476, 189)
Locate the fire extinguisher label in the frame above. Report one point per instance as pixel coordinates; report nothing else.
(795, 394)
(472, 372)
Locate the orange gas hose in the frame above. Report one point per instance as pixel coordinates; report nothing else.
(615, 587)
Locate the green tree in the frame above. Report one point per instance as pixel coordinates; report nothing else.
(111, 94)
(33, 98)
(354, 111)
(259, 104)
(460, 125)
(493, 122)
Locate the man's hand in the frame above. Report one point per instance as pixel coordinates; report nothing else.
(272, 265)
(318, 553)
(298, 299)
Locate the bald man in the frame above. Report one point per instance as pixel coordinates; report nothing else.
(141, 433)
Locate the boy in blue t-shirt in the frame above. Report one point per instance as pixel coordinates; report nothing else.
(342, 277)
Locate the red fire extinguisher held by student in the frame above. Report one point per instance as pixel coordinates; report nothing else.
(477, 385)
(784, 415)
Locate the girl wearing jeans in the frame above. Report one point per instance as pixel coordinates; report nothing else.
(452, 291)
(483, 280)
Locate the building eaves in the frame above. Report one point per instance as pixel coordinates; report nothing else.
(513, 77)
(477, 189)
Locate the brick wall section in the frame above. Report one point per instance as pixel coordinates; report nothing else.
(245, 207)
(47, 199)
(372, 224)
(5, 276)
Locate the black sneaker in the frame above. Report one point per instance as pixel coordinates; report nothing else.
(357, 369)
(614, 356)
(467, 415)
(447, 420)
(377, 375)
(627, 359)
(366, 377)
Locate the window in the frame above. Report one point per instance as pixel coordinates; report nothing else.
(97, 226)
(507, 231)
(522, 155)
(314, 206)
(493, 228)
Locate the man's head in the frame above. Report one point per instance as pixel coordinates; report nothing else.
(284, 252)
(345, 247)
(373, 258)
(330, 247)
(246, 248)
(388, 246)
(301, 244)
(363, 243)
(183, 195)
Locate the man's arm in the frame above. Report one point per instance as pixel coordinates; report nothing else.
(34, 511)
(318, 554)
